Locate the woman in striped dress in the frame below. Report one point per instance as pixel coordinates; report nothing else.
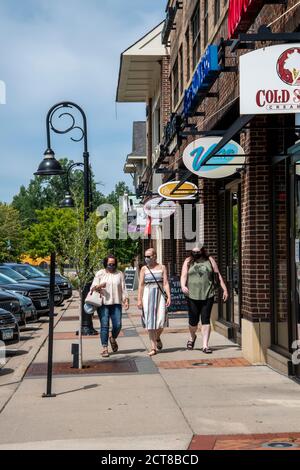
(154, 297)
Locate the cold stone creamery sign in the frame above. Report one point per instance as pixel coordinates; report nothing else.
(225, 163)
(270, 80)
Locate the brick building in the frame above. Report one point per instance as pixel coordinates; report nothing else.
(252, 218)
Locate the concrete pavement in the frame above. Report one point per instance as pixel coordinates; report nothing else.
(133, 402)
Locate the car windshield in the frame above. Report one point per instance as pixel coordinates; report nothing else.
(26, 271)
(39, 271)
(11, 274)
(4, 280)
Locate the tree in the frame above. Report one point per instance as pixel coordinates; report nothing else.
(11, 240)
(85, 252)
(45, 237)
(46, 192)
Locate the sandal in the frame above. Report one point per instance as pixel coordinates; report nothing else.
(105, 353)
(114, 345)
(207, 350)
(159, 344)
(191, 344)
(152, 353)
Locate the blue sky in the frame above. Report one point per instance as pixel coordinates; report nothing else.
(56, 50)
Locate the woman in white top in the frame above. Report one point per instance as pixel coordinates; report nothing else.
(110, 283)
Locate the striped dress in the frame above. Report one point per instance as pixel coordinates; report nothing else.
(154, 304)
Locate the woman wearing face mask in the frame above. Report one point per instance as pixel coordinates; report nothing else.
(110, 283)
(154, 297)
(197, 283)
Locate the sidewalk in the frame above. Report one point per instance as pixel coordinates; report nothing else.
(178, 400)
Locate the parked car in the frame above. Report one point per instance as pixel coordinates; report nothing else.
(38, 295)
(9, 329)
(63, 283)
(31, 277)
(27, 307)
(20, 279)
(9, 302)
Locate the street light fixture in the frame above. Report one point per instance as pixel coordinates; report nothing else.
(50, 166)
(67, 202)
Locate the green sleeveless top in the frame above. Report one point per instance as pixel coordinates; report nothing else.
(201, 281)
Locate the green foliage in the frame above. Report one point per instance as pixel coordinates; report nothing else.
(48, 192)
(11, 240)
(83, 249)
(44, 237)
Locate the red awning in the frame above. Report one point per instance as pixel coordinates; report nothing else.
(241, 15)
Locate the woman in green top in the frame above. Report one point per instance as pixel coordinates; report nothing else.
(197, 283)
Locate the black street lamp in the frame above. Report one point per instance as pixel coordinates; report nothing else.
(51, 167)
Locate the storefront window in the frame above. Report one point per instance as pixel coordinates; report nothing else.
(297, 245)
(281, 256)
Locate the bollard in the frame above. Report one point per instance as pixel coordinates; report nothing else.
(75, 354)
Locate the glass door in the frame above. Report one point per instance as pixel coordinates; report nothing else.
(295, 263)
(230, 257)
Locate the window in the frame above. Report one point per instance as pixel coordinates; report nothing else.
(181, 70)
(206, 22)
(217, 11)
(196, 36)
(175, 81)
(188, 61)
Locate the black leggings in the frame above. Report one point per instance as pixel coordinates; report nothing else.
(200, 309)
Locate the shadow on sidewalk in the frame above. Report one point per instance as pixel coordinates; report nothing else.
(15, 352)
(5, 371)
(86, 387)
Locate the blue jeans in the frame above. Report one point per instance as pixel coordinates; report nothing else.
(113, 312)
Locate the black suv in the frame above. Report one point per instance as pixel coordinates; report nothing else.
(26, 275)
(38, 295)
(9, 329)
(10, 303)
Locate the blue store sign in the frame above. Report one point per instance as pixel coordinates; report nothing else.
(205, 75)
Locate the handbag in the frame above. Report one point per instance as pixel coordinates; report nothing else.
(89, 308)
(94, 298)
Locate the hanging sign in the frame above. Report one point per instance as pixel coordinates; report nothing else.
(186, 191)
(158, 209)
(205, 75)
(270, 80)
(225, 163)
(241, 14)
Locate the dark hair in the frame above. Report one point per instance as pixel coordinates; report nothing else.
(105, 261)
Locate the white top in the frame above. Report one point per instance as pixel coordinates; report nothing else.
(115, 291)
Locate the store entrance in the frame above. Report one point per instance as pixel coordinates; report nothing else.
(230, 256)
(295, 260)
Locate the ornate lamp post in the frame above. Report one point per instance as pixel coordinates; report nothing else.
(50, 167)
